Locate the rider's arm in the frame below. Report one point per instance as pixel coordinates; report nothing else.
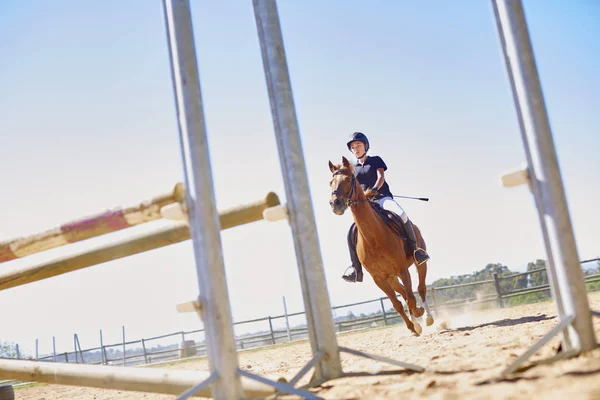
(380, 179)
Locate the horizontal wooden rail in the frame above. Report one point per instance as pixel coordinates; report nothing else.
(464, 284)
(542, 288)
(159, 238)
(151, 380)
(91, 226)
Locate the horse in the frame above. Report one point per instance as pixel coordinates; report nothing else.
(381, 250)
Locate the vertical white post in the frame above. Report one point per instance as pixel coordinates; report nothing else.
(301, 214)
(287, 320)
(102, 352)
(124, 349)
(75, 348)
(203, 216)
(544, 172)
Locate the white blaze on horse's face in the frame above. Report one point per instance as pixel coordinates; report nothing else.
(338, 203)
(341, 185)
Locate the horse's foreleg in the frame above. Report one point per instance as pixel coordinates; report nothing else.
(411, 301)
(397, 286)
(389, 291)
(422, 271)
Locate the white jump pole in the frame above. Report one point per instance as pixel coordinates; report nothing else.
(149, 380)
(544, 178)
(203, 216)
(213, 300)
(321, 328)
(299, 206)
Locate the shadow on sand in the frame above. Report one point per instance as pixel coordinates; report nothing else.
(503, 322)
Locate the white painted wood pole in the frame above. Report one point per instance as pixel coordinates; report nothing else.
(204, 223)
(544, 174)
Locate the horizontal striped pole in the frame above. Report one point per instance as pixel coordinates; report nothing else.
(91, 226)
(180, 232)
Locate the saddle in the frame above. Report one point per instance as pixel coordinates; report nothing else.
(392, 220)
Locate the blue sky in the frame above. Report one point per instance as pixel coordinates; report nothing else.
(87, 123)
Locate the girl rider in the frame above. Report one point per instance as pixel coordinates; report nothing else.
(369, 171)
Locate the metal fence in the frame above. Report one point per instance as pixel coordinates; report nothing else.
(497, 292)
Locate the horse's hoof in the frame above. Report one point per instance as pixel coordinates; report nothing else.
(429, 321)
(418, 328)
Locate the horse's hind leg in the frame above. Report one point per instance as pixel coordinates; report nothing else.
(389, 291)
(422, 271)
(397, 286)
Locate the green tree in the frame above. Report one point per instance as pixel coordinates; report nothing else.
(8, 349)
(471, 292)
(591, 269)
(538, 278)
(520, 282)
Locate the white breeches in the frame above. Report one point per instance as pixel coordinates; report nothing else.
(389, 204)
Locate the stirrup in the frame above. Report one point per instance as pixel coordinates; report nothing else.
(424, 259)
(351, 277)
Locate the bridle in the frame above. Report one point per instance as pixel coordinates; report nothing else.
(349, 202)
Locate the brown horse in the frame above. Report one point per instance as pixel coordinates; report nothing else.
(381, 251)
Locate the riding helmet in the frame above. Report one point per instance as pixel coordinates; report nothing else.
(361, 137)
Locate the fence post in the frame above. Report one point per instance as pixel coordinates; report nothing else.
(145, 354)
(37, 354)
(498, 290)
(79, 346)
(102, 350)
(271, 329)
(124, 351)
(54, 348)
(435, 310)
(287, 321)
(75, 348)
(18, 352)
(383, 311)
(66, 356)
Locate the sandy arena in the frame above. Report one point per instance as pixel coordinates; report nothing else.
(462, 355)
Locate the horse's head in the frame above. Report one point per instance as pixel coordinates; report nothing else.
(343, 186)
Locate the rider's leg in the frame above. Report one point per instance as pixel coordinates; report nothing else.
(389, 204)
(356, 275)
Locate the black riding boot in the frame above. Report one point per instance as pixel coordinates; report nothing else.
(418, 253)
(357, 274)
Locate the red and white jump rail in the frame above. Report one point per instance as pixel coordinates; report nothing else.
(91, 226)
(268, 208)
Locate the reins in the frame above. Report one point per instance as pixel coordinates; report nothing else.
(349, 202)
